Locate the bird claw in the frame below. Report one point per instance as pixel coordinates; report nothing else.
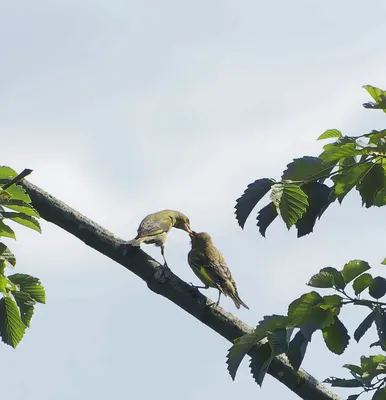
(163, 273)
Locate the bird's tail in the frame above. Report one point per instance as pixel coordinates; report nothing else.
(135, 242)
(238, 302)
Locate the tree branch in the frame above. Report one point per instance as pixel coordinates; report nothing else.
(175, 289)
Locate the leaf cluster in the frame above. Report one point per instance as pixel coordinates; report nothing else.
(18, 292)
(309, 185)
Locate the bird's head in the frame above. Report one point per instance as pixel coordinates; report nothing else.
(200, 239)
(182, 222)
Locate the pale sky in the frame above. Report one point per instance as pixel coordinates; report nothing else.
(124, 108)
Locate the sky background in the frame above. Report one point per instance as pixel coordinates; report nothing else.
(123, 108)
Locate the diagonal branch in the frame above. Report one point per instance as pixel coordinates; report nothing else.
(175, 289)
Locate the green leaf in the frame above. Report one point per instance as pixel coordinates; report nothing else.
(307, 168)
(353, 368)
(252, 195)
(379, 96)
(384, 261)
(330, 133)
(377, 288)
(265, 217)
(11, 326)
(338, 277)
(238, 351)
(322, 279)
(361, 283)
(7, 172)
(301, 310)
(353, 396)
(336, 151)
(7, 256)
(290, 200)
(30, 285)
(298, 345)
(19, 206)
(26, 306)
(23, 219)
(340, 382)
(349, 178)
(260, 362)
(364, 326)
(331, 301)
(380, 394)
(371, 184)
(6, 231)
(318, 195)
(336, 336)
(17, 192)
(278, 340)
(354, 268)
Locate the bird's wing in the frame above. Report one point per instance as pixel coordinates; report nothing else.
(201, 267)
(151, 226)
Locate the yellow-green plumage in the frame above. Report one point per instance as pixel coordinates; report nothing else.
(154, 228)
(210, 267)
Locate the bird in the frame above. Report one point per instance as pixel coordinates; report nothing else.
(154, 228)
(210, 267)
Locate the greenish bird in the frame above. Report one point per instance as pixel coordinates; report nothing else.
(210, 267)
(154, 228)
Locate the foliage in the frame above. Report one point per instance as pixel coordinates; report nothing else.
(302, 196)
(308, 186)
(19, 292)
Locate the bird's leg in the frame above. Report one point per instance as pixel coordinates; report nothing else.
(218, 300)
(163, 273)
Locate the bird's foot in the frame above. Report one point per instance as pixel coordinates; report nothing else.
(163, 273)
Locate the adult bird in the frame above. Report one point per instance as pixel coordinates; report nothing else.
(210, 267)
(154, 228)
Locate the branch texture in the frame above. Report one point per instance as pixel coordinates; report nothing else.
(175, 289)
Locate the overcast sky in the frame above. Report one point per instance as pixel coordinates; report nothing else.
(123, 108)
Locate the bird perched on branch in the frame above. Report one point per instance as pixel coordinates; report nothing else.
(210, 267)
(154, 228)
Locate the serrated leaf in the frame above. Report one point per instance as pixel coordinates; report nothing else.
(340, 382)
(338, 277)
(337, 151)
(252, 195)
(322, 279)
(260, 362)
(26, 306)
(353, 368)
(384, 261)
(336, 336)
(348, 179)
(23, 219)
(238, 351)
(6, 231)
(371, 184)
(11, 326)
(30, 285)
(377, 288)
(298, 346)
(380, 394)
(361, 283)
(265, 217)
(330, 133)
(7, 172)
(278, 341)
(306, 168)
(19, 206)
(331, 301)
(7, 256)
(354, 268)
(364, 326)
(17, 192)
(318, 195)
(290, 200)
(301, 310)
(378, 95)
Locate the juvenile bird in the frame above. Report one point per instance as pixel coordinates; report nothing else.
(210, 267)
(154, 228)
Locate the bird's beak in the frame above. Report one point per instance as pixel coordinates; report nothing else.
(192, 234)
(188, 229)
